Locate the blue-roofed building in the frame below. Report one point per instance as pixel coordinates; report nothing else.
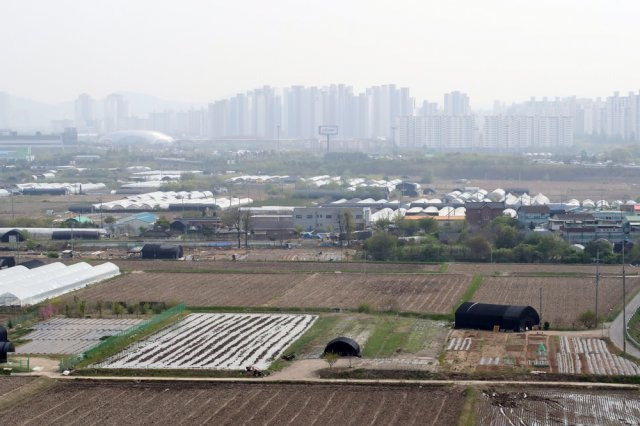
(134, 224)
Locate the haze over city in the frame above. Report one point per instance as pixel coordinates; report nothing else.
(199, 51)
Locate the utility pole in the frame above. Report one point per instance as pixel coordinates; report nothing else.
(624, 302)
(597, 281)
(540, 304)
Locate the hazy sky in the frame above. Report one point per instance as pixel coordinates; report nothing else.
(190, 50)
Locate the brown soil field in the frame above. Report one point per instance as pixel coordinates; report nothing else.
(270, 267)
(563, 298)
(10, 383)
(531, 268)
(403, 292)
(166, 402)
(37, 206)
(597, 188)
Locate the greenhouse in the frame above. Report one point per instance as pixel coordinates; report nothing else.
(21, 286)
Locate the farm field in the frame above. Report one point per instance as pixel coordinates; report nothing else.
(10, 383)
(214, 341)
(403, 292)
(578, 355)
(563, 298)
(116, 403)
(531, 268)
(273, 266)
(71, 335)
(480, 351)
(505, 406)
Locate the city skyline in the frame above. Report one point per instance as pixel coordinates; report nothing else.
(380, 112)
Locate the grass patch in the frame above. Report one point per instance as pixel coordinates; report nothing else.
(443, 268)
(468, 413)
(319, 331)
(634, 327)
(474, 285)
(389, 336)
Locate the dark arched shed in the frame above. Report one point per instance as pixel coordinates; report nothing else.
(343, 346)
(162, 251)
(485, 316)
(6, 237)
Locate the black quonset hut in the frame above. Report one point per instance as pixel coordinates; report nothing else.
(343, 346)
(162, 251)
(484, 316)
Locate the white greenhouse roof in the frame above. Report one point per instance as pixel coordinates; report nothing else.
(21, 286)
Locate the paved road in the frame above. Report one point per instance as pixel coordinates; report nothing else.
(615, 331)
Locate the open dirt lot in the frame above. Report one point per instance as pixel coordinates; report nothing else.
(403, 292)
(563, 298)
(116, 403)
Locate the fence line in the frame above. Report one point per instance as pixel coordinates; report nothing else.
(115, 340)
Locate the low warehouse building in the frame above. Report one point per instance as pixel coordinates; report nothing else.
(485, 316)
(343, 346)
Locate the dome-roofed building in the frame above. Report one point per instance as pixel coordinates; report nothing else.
(135, 137)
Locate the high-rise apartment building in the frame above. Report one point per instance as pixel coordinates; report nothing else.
(85, 113)
(116, 112)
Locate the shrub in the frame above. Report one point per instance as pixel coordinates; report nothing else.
(52, 255)
(364, 308)
(587, 319)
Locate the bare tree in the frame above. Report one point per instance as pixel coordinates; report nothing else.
(245, 221)
(346, 225)
(232, 219)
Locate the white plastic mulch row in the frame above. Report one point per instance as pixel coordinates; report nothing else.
(597, 358)
(459, 344)
(215, 341)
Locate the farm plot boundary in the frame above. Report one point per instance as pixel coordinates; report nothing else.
(422, 293)
(214, 341)
(118, 342)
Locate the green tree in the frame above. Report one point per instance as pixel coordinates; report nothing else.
(428, 225)
(478, 248)
(381, 246)
(525, 253)
(162, 223)
(506, 237)
(117, 309)
(382, 224)
(331, 358)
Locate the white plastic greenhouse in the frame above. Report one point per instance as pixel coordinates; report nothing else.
(20, 286)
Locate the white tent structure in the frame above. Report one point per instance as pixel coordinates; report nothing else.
(20, 286)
